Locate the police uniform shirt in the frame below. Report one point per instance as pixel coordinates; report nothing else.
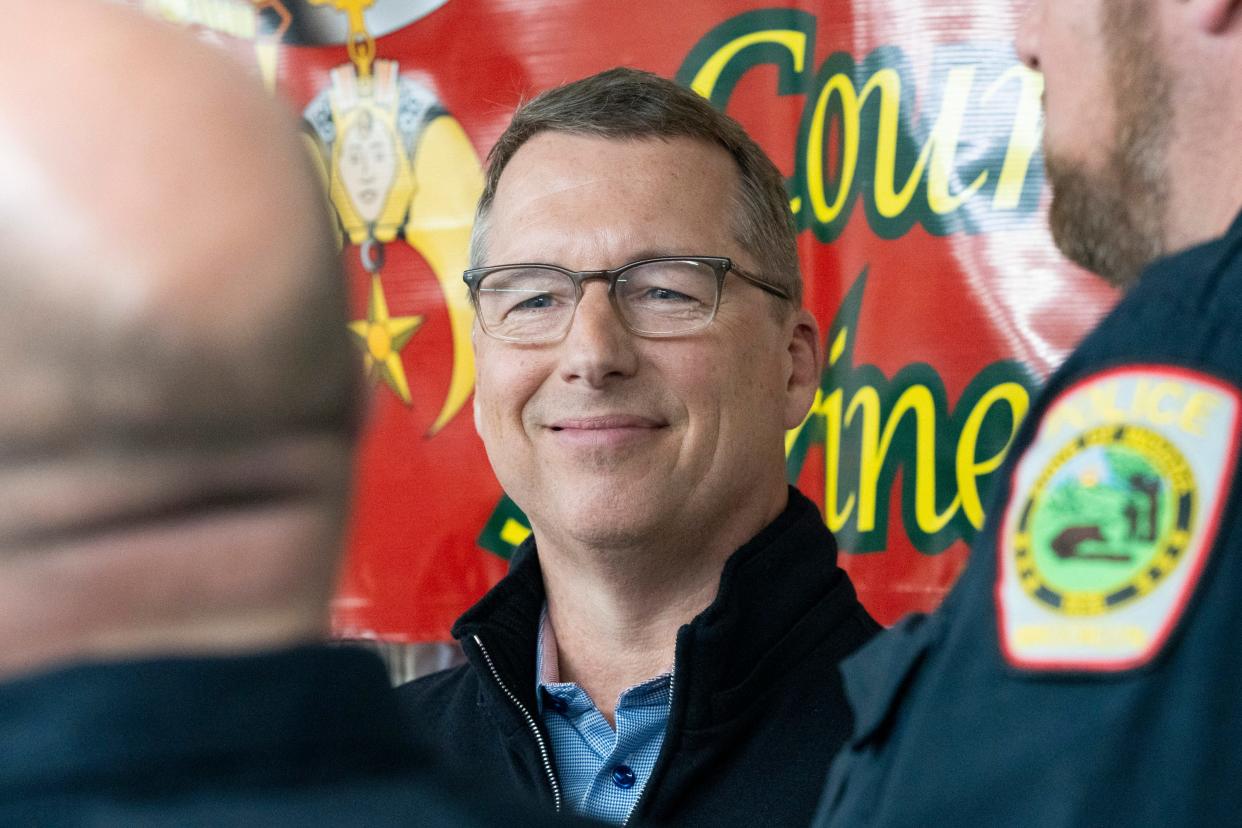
(1085, 668)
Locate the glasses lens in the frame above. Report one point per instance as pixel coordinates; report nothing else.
(526, 304)
(668, 297)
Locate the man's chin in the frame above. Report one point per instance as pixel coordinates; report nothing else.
(608, 513)
(1096, 226)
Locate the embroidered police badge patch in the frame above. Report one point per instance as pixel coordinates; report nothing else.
(1111, 516)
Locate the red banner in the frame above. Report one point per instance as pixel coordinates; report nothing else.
(910, 136)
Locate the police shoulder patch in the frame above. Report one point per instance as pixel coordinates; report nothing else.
(1112, 512)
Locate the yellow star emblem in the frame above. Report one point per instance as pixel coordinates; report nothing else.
(381, 337)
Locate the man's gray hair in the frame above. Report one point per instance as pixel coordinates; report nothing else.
(625, 103)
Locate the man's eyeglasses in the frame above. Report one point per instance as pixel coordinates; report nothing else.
(666, 296)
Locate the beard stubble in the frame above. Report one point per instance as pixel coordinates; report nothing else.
(1112, 220)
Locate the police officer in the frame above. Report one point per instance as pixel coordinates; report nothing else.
(1084, 669)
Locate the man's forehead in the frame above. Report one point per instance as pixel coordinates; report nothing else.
(553, 162)
(613, 196)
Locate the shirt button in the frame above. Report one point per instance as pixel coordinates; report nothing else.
(557, 703)
(623, 777)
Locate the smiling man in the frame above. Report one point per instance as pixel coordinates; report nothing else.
(665, 646)
(1084, 669)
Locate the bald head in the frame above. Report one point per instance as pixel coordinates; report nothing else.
(156, 224)
(173, 365)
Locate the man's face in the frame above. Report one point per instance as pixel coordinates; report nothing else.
(1107, 105)
(606, 437)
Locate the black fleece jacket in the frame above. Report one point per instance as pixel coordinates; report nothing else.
(758, 707)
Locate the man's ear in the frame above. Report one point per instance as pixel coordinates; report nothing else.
(805, 364)
(1216, 16)
(475, 409)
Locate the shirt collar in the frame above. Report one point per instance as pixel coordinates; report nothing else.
(548, 666)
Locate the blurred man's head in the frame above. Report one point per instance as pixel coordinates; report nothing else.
(177, 401)
(643, 417)
(1131, 90)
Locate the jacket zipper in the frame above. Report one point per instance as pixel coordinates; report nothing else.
(671, 677)
(530, 723)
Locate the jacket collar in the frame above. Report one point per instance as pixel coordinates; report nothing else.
(778, 593)
(506, 622)
(1216, 277)
(746, 639)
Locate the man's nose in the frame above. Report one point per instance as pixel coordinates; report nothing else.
(1027, 39)
(598, 348)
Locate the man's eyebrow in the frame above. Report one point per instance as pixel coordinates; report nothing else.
(668, 252)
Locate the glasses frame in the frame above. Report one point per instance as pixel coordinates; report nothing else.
(720, 265)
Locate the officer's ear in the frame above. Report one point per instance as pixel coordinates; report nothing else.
(1216, 17)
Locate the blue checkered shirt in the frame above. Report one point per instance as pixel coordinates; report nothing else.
(602, 772)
